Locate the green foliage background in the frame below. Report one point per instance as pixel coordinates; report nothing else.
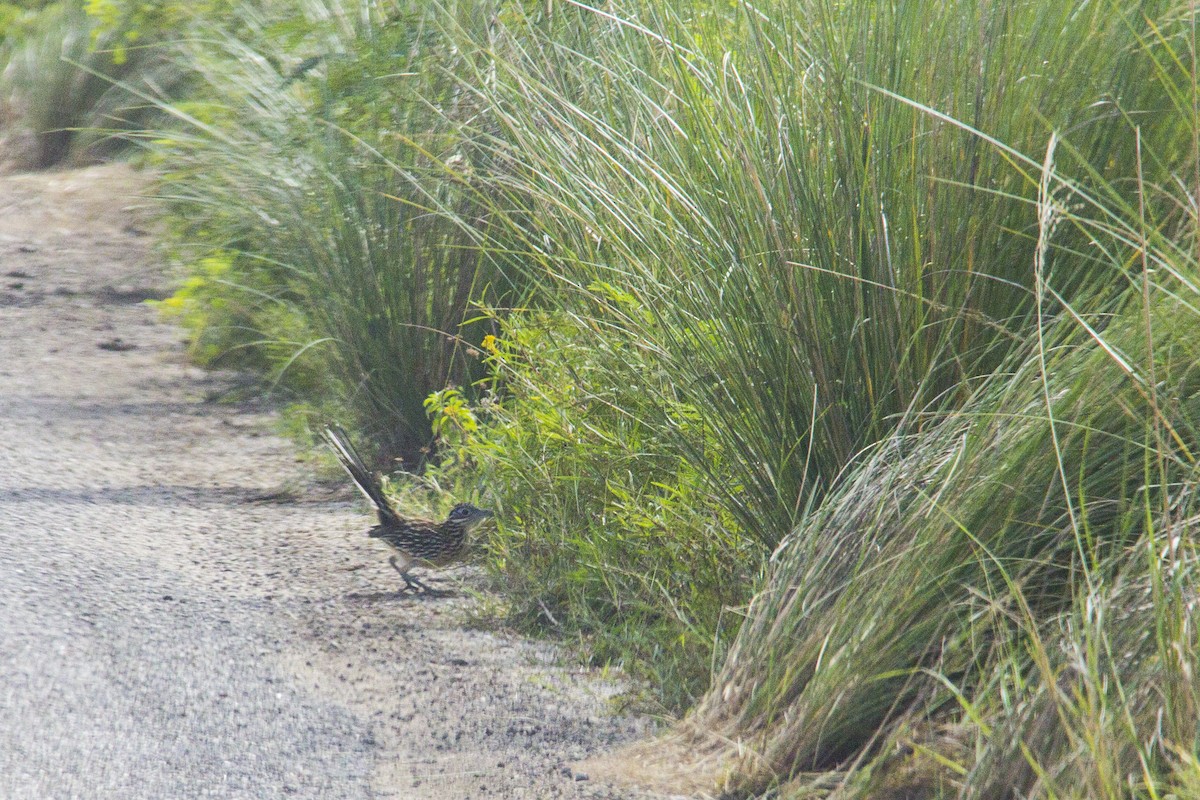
(73, 91)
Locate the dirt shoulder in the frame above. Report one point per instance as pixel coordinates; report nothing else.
(183, 612)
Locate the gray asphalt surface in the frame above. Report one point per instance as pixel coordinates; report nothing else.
(122, 676)
(183, 613)
(119, 684)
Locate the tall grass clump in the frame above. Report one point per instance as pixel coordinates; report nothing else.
(752, 262)
(68, 93)
(1008, 572)
(321, 188)
(997, 600)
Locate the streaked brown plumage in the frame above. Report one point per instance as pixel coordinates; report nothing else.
(421, 541)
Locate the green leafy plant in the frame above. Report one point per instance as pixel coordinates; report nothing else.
(454, 427)
(604, 532)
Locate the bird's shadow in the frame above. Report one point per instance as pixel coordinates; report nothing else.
(402, 594)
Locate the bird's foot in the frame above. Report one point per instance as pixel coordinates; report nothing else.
(415, 584)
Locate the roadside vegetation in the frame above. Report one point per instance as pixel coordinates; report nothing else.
(834, 367)
(69, 87)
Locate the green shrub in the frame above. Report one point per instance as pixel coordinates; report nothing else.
(607, 534)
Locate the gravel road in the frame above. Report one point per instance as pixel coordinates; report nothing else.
(183, 612)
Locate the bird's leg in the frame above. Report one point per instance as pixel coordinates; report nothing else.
(416, 583)
(410, 583)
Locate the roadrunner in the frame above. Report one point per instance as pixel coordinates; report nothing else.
(418, 541)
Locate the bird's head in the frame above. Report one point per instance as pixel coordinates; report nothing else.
(468, 515)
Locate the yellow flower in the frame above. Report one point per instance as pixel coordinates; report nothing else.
(489, 344)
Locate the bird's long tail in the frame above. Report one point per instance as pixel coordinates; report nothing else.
(353, 464)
